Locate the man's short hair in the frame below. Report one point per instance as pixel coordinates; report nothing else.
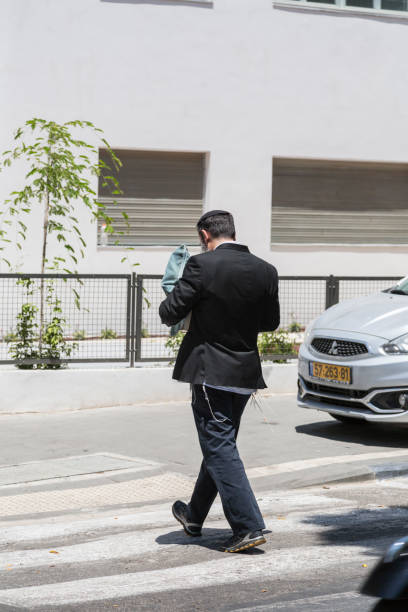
(218, 223)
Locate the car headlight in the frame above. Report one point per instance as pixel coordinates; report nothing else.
(399, 346)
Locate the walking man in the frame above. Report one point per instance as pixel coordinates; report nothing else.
(232, 296)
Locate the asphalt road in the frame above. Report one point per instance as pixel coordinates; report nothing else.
(85, 521)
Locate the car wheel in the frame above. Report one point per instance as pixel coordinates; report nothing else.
(346, 419)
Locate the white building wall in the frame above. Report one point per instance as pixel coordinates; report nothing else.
(240, 79)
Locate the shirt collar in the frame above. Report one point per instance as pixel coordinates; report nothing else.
(227, 242)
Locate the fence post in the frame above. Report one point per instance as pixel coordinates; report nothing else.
(132, 319)
(332, 291)
(138, 317)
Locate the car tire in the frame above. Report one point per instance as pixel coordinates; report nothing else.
(346, 419)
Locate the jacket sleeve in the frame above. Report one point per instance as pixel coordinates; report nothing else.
(184, 296)
(271, 311)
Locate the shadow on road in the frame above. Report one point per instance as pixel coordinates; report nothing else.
(367, 527)
(211, 539)
(388, 435)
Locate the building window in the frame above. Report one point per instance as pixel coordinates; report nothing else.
(339, 202)
(385, 5)
(162, 197)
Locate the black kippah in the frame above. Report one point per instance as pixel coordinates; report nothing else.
(212, 213)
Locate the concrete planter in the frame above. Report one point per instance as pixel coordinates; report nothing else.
(78, 389)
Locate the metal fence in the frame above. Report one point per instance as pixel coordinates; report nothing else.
(93, 310)
(109, 318)
(302, 298)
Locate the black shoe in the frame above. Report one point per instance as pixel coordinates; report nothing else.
(179, 510)
(241, 542)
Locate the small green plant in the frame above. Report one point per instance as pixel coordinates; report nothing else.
(173, 343)
(54, 346)
(11, 336)
(79, 334)
(108, 334)
(27, 347)
(144, 332)
(24, 346)
(295, 327)
(275, 343)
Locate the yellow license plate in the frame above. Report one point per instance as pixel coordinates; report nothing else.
(333, 373)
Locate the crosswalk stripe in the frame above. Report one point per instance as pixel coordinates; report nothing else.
(298, 604)
(131, 544)
(231, 569)
(127, 544)
(152, 516)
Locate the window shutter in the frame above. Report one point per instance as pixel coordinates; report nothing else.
(162, 197)
(336, 202)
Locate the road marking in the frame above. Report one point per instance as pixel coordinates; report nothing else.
(156, 516)
(295, 603)
(117, 546)
(396, 483)
(127, 544)
(234, 569)
(304, 464)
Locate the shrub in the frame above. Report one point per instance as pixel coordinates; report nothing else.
(108, 334)
(275, 343)
(295, 327)
(33, 343)
(174, 342)
(79, 334)
(144, 332)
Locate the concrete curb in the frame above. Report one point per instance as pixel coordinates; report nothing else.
(79, 389)
(354, 474)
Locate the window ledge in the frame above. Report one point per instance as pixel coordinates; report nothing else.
(332, 8)
(206, 2)
(350, 246)
(145, 247)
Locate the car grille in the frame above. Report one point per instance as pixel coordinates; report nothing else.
(338, 390)
(341, 403)
(338, 348)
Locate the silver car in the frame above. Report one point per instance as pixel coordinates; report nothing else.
(353, 363)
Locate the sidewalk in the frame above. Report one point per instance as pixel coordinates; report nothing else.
(132, 455)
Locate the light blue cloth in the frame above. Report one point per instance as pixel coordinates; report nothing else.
(175, 268)
(174, 271)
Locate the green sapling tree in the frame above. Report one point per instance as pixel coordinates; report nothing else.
(61, 172)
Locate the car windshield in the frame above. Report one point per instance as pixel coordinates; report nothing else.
(401, 288)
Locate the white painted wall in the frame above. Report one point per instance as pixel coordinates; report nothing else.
(241, 79)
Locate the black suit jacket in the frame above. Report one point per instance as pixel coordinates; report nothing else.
(233, 295)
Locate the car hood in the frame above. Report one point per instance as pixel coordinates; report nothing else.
(384, 315)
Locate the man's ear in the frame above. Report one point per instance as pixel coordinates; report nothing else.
(204, 236)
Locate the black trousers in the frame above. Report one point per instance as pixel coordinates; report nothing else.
(222, 470)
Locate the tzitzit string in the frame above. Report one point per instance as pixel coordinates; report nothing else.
(255, 400)
(209, 405)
